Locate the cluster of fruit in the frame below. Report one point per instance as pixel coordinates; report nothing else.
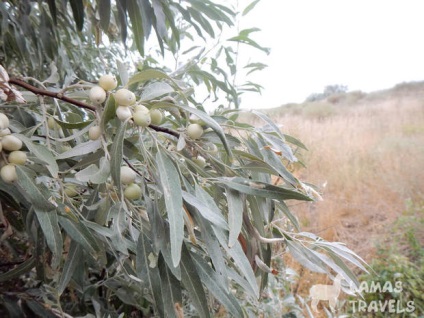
(10, 146)
(126, 105)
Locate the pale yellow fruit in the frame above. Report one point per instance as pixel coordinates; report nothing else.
(123, 113)
(200, 161)
(71, 190)
(51, 122)
(141, 108)
(124, 97)
(94, 132)
(11, 143)
(194, 131)
(17, 157)
(5, 132)
(4, 121)
(132, 192)
(8, 173)
(97, 95)
(142, 119)
(212, 149)
(156, 116)
(127, 175)
(108, 82)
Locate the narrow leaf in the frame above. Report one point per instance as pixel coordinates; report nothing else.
(250, 7)
(208, 277)
(171, 187)
(104, 13)
(72, 261)
(49, 224)
(80, 234)
(171, 289)
(262, 189)
(117, 153)
(81, 149)
(78, 12)
(215, 252)
(94, 174)
(240, 259)
(150, 276)
(235, 214)
(134, 12)
(76, 125)
(209, 212)
(146, 75)
(191, 281)
(19, 270)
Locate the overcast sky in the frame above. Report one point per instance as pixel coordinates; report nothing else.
(366, 45)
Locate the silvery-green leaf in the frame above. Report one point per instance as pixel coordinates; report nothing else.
(81, 149)
(48, 221)
(171, 289)
(235, 214)
(155, 90)
(80, 234)
(94, 174)
(208, 211)
(191, 281)
(73, 259)
(208, 277)
(149, 275)
(239, 258)
(262, 189)
(116, 155)
(19, 270)
(215, 252)
(171, 188)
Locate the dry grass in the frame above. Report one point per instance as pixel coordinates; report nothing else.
(366, 153)
(368, 158)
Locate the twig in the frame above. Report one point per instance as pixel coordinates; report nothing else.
(165, 130)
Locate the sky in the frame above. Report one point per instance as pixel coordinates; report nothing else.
(365, 45)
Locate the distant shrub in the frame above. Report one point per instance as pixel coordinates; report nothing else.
(329, 90)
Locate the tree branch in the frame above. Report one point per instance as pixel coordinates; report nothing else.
(165, 130)
(39, 91)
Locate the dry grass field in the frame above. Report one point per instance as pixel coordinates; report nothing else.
(366, 155)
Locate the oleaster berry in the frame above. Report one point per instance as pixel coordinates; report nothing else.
(11, 143)
(123, 113)
(127, 175)
(94, 132)
(194, 131)
(97, 95)
(124, 97)
(132, 192)
(17, 157)
(8, 173)
(108, 82)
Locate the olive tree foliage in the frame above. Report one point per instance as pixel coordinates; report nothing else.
(131, 199)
